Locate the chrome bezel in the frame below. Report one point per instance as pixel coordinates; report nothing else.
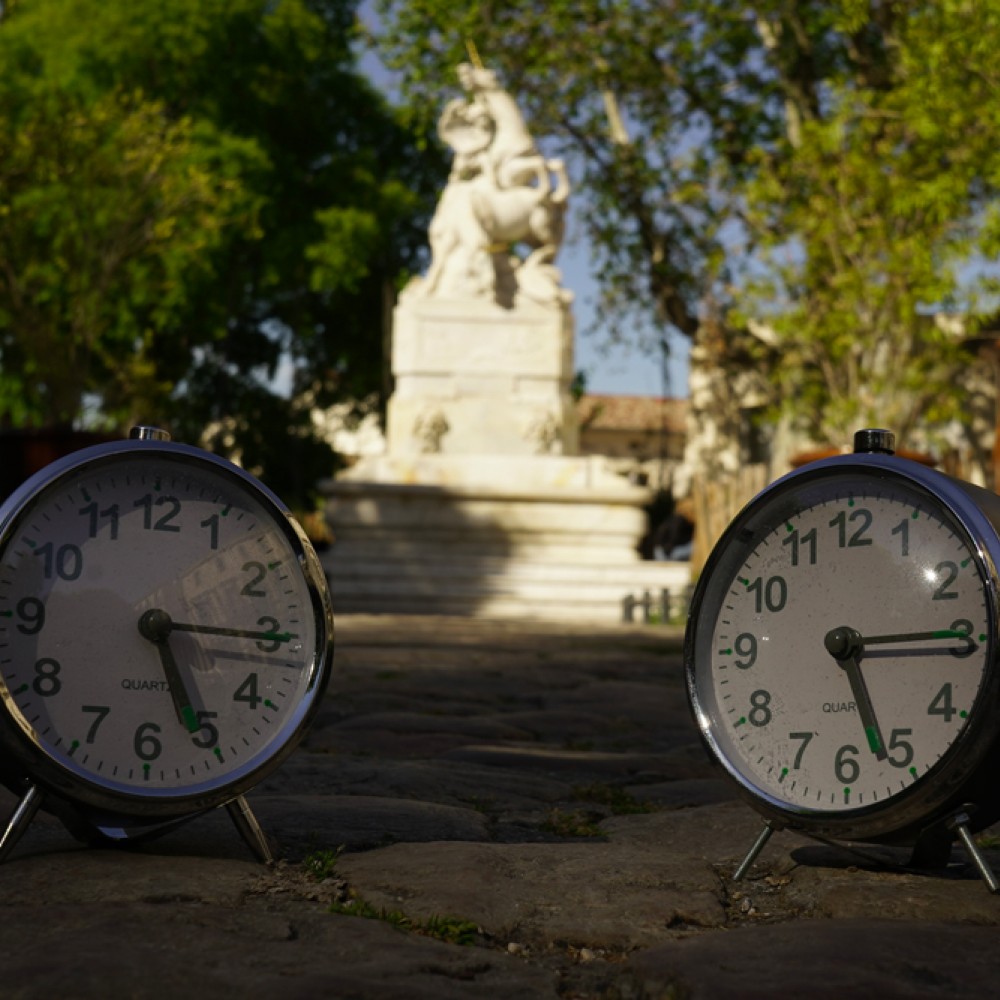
(966, 771)
(24, 758)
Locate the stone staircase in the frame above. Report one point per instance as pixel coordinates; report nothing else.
(561, 555)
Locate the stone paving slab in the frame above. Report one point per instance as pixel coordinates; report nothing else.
(598, 896)
(185, 949)
(826, 960)
(492, 809)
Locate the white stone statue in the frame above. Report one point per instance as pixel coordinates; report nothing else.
(500, 194)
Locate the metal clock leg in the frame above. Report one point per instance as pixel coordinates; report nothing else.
(21, 819)
(931, 851)
(758, 846)
(959, 823)
(250, 830)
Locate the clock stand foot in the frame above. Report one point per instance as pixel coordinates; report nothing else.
(250, 830)
(933, 847)
(94, 832)
(20, 819)
(959, 824)
(758, 846)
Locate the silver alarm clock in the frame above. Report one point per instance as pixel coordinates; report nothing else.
(842, 653)
(166, 637)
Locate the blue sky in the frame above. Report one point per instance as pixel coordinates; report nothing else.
(615, 370)
(618, 370)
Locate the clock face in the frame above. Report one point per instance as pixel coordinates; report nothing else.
(841, 644)
(161, 632)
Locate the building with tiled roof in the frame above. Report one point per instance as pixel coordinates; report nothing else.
(643, 435)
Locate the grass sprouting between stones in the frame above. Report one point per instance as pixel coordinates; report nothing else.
(322, 864)
(453, 930)
(575, 823)
(617, 800)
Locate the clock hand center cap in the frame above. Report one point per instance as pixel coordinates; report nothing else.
(843, 643)
(155, 625)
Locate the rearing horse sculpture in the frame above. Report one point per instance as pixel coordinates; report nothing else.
(499, 193)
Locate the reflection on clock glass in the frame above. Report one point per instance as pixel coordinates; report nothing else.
(158, 634)
(843, 643)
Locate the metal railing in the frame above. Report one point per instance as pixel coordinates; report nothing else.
(664, 608)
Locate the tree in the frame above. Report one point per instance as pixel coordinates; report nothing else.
(287, 202)
(788, 166)
(107, 213)
(869, 218)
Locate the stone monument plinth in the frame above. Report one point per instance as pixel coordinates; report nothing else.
(481, 502)
(473, 375)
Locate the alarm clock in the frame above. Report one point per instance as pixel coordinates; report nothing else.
(841, 654)
(166, 637)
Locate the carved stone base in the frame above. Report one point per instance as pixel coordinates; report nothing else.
(473, 378)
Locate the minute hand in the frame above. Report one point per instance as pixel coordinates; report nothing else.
(941, 633)
(238, 633)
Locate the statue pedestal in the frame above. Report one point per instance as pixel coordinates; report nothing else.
(472, 378)
(534, 536)
(481, 503)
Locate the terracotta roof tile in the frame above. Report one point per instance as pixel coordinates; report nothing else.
(632, 413)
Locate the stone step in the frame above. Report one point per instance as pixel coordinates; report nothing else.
(568, 609)
(566, 548)
(505, 587)
(529, 536)
(445, 568)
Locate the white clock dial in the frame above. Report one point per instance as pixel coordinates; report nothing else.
(159, 633)
(842, 644)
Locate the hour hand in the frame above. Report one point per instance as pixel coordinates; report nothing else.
(155, 625)
(844, 645)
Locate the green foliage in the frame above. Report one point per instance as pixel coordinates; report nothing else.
(798, 186)
(617, 800)
(322, 864)
(572, 823)
(191, 191)
(692, 97)
(868, 221)
(453, 930)
(105, 210)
